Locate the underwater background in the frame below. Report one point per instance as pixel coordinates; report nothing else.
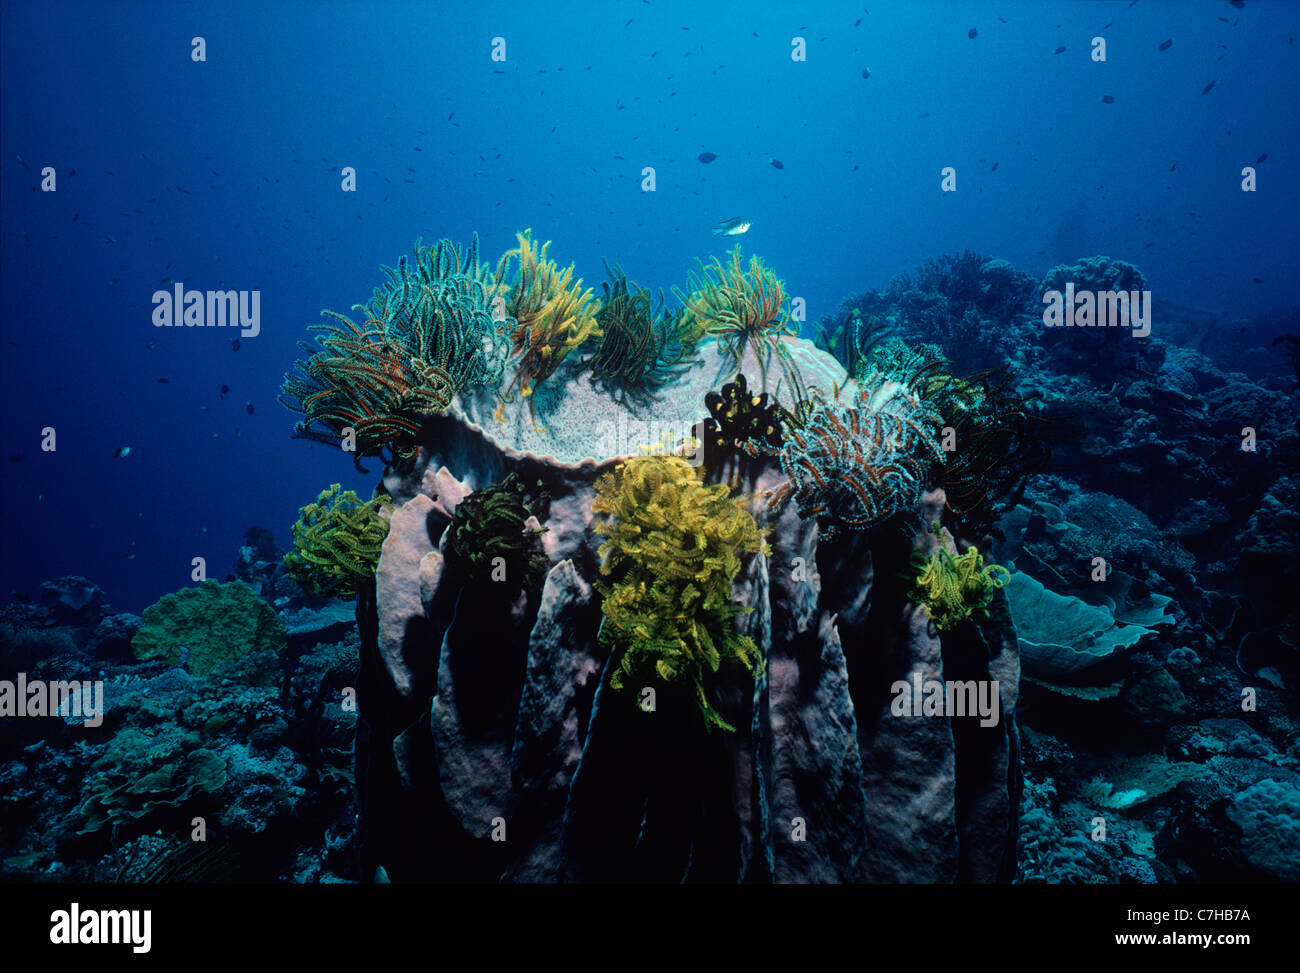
(825, 127)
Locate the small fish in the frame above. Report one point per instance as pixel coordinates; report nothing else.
(1166, 45)
(734, 226)
(866, 73)
(857, 22)
(249, 407)
(1257, 280)
(1108, 99)
(972, 33)
(1206, 89)
(163, 381)
(121, 452)
(1237, 3)
(706, 157)
(1261, 158)
(775, 163)
(995, 168)
(16, 457)
(924, 114)
(224, 390)
(234, 345)
(72, 172)
(1059, 50)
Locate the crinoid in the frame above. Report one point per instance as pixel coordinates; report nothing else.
(672, 547)
(442, 310)
(491, 536)
(997, 446)
(336, 542)
(642, 346)
(740, 421)
(365, 392)
(990, 444)
(553, 314)
(427, 333)
(856, 465)
(852, 341)
(954, 588)
(742, 309)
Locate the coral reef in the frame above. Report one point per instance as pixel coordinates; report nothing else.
(336, 542)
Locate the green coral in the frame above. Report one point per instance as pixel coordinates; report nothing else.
(672, 547)
(492, 523)
(336, 542)
(955, 587)
(206, 625)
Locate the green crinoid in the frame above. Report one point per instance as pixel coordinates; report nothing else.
(444, 310)
(672, 547)
(433, 328)
(954, 588)
(336, 543)
(489, 533)
(642, 346)
(743, 309)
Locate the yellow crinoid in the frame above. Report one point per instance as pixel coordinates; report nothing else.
(554, 313)
(740, 307)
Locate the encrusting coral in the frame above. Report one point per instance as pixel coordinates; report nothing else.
(954, 588)
(491, 535)
(336, 542)
(672, 547)
(208, 624)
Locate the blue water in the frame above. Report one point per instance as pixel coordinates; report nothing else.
(226, 174)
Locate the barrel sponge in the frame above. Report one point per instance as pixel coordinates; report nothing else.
(208, 624)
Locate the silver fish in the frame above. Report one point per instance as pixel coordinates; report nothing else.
(734, 226)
